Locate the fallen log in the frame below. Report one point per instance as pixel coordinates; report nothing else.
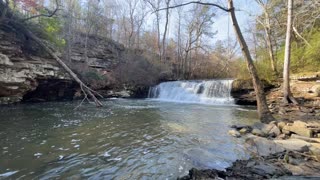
(29, 34)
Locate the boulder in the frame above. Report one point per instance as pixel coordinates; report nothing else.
(310, 140)
(293, 145)
(281, 125)
(304, 169)
(243, 131)
(264, 169)
(234, 133)
(275, 131)
(270, 129)
(257, 132)
(315, 150)
(298, 127)
(286, 132)
(262, 146)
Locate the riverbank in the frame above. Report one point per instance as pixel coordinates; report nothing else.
(288, 148)
(282, 150)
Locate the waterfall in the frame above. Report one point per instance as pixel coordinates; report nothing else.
(206, 91)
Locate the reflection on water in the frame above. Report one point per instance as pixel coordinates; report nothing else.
(126, 139)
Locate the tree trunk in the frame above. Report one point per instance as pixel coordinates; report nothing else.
(267, 28)
(263, 111)
(164, 45)
(269, 42)
(287, 95)
(158, 32)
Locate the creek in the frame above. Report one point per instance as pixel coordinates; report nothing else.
(182, 125)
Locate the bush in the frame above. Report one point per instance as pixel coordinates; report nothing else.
(92, 77)
(304, 58)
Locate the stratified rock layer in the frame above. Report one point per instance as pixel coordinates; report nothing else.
(23, 66)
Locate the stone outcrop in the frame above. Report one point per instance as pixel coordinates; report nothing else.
(307, 92)
(23, 67)
(243, 92)
(102, 53)
(27, 73)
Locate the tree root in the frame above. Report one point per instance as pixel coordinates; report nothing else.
(290, 99)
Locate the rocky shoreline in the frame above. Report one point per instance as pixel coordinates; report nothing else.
(279, 150)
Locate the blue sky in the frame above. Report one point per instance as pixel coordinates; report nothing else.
(244, 9)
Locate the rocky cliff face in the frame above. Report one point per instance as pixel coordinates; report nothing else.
(27, 73)
(102, 53)
(23, 68)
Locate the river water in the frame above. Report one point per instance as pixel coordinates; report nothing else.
(183, 124)
(126, 139)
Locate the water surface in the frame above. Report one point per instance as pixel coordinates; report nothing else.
(126, 139)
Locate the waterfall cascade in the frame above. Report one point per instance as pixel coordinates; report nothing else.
(206, 91)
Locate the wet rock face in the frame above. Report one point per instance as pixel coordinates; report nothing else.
(22, 68)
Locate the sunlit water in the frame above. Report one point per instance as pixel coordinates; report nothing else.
(126, 139)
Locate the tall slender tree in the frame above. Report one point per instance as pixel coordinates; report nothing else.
(287, 95)
(263, 110)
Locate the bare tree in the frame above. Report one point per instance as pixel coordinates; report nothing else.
(198, 26)
(267, 28)
(164, 37)
(155, 6)
(179, 50)
(287, 95)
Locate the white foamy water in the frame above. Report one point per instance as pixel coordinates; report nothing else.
(206, 91)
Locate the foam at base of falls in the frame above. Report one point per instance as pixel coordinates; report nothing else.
(207, 91)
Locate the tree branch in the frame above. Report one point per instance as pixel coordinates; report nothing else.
(195, 2)
(45, 15)
(299, 35)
